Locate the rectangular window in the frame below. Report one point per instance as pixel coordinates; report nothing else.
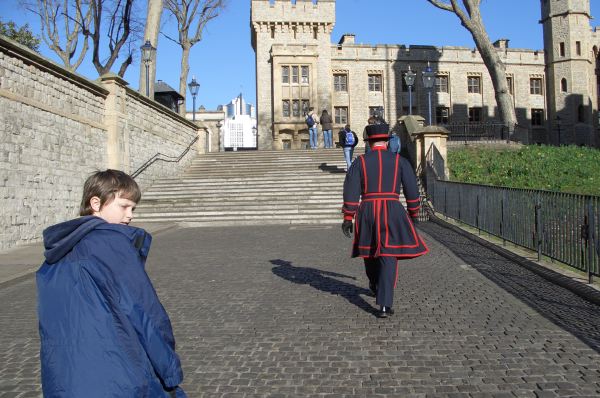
(285, 74)
(474, 84)
(578, 47)
(340, 82)
(341, 114)
(285, 108)
(441, 84)
(374, 82)
(295, 77)
(509, 83)
(537, 117)
(304, 70)
(295, 108)
(535, 86)
(562, 49)
(442, 115)
(305, 106)
(475, 115)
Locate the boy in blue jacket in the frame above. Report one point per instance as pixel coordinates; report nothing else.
(103, 330)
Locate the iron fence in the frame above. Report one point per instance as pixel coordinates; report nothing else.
(564, 227)
(490, 131)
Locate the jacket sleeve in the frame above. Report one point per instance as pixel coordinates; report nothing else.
(139, 303)
(355, 139)
(410, 188)
(352, 189)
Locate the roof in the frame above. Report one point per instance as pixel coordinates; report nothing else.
(162, 87)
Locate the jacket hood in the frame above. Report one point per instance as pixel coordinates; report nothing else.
(60, 239)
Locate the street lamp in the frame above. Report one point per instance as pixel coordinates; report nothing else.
(194, 86)
(428, 82)
(221, 143)
(255, 132)
(409, 79)
(147, 53)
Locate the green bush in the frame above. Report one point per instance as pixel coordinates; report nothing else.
(565, 169)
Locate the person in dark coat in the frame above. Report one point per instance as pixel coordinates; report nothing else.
(103, 330)
(327, 126)
(384, 231)
(348, 140)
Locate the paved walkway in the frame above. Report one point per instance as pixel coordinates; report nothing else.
(283, 312)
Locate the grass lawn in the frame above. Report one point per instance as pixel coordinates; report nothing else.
(565, 169)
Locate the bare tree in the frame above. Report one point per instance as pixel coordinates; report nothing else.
(191, 15)
(118, 17)
(470, 17)
(153, 16)
(61, 22)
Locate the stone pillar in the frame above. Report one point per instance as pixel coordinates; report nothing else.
(431, 145)
(116, 143)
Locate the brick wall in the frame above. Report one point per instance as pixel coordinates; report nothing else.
(57, 127)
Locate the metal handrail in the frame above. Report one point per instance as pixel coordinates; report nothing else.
(164, 158)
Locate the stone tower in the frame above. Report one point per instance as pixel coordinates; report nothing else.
(292, 43)
(570, 49)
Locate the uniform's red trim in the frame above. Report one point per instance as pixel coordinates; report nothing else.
(396, 275)
(348, 217)
(377, 136)
(351, 203)
(395, 173)
(414, 233)
(364, 168)
(380, 170)
(412, 200)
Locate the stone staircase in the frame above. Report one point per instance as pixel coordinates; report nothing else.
(250, 188)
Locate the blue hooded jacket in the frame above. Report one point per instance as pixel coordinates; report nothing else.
(103, 330)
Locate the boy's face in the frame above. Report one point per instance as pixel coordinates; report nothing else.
(119, 211)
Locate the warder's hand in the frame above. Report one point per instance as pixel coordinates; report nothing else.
(347, 228)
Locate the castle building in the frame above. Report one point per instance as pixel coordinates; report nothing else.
(555, 92)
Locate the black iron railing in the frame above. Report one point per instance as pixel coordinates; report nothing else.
(470, 132)
(564, 227)
(164, 158)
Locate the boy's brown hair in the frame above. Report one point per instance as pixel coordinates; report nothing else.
(105, 185)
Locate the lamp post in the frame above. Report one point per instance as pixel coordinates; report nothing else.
(255, 132)
(409, 79)
(147, 52)
(428, 82)
(221, 143)
(194, 86)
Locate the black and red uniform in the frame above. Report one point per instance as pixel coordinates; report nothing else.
(383, 231)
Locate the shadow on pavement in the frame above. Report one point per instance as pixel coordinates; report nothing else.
(324, 281)
(557, 304)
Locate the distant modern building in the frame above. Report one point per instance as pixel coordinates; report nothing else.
(239, 127)
(555, 91)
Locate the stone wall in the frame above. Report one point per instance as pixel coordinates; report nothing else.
(57, 127)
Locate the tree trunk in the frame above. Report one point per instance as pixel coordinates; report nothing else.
(155, 8)
(185, 69)
(497, 72)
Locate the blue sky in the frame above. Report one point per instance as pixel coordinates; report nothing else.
(223, 62)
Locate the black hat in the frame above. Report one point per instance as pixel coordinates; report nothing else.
(378, 132)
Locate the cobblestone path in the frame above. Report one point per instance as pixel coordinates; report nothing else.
(283, 312)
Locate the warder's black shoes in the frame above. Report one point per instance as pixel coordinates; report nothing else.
(385, 312)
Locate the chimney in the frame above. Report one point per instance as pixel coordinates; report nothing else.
(501, 43)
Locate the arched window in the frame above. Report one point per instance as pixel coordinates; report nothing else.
(563, 85)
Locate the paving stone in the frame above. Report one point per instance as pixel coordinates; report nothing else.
(282, 312)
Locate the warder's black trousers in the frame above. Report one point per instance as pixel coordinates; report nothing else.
(382, 271)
